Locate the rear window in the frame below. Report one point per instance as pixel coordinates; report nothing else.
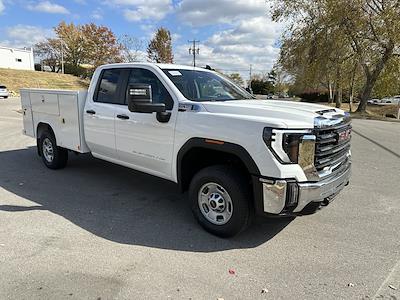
(107, 91)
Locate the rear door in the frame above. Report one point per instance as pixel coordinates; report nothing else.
(99, 113)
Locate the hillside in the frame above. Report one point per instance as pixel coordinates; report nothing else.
(17, 79)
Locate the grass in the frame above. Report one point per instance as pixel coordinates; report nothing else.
(373, 112)
(14, 80)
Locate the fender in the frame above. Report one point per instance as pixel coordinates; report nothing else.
(216, 145)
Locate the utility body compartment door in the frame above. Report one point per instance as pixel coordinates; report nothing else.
(27, 114)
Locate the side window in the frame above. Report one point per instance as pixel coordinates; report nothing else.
(159, 92)
(107, 90)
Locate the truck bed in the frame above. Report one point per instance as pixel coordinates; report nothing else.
(61, 109)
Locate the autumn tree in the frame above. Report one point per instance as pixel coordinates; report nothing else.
(160, 47)
(339, 38)
(100, 45)
(73, 42)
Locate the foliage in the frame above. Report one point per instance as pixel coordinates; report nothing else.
(88, 44)
(339, 44)
(236, 78)
(262, 86)
(159, 49)
(100, 46)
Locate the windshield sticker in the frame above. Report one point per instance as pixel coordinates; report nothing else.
(175, 73)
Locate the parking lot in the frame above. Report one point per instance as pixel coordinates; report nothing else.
(99, 231)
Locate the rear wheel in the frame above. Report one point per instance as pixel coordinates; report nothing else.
(220, 200)
(53, 157)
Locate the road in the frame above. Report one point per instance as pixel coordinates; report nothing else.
(99, 231)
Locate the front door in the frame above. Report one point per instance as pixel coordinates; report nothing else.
(141, 140)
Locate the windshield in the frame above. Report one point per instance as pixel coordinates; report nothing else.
(205, 86)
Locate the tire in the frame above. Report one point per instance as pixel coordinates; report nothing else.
(53, 157)
(228, 217)
(5, 97)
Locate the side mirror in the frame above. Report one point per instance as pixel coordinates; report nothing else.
(140, 100)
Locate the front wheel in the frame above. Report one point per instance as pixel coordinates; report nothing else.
(53, 157)
(220, 198)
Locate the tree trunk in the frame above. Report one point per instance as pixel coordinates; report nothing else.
(339, 97)
(372, 77)
(330, 92)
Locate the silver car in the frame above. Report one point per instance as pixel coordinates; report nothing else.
(4, 92)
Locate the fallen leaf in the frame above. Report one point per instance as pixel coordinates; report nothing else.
(232, 271)
(264, 291)
(393, 287)
(350, 284)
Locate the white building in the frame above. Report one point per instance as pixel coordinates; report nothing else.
(13, 58)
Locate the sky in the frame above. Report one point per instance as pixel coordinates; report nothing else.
(233, 33)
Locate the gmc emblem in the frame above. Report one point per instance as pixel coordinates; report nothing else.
(344, 135)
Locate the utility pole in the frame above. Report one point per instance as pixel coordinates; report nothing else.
(62, 56)
(193, 50)
(250, 89)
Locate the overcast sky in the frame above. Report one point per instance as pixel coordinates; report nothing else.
(233, 33)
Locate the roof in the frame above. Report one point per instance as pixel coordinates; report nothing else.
(161, 66)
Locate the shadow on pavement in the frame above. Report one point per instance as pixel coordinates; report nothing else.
(118, 204)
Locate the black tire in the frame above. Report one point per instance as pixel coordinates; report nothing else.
(60, 155)
(5, 97)
(238, 190)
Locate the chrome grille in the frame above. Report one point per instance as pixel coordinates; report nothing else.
(329, 151)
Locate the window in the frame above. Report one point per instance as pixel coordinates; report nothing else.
(206, 86)
(159, 92)
(18, 60)
(107, 90)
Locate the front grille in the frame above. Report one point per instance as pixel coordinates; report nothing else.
(329, 151)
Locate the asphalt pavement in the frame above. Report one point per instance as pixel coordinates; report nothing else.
(99, 231)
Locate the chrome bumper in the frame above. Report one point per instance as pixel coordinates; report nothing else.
(278, 194)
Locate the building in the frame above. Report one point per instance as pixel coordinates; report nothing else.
(13, 58)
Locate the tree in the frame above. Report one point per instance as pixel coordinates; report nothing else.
(49, 52)
(101, 45)
(88, 44)
(160, 47)
(360, 32)
(131, 48)
(236, 78)
(74, 43)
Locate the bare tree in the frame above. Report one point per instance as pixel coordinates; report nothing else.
(132, 48)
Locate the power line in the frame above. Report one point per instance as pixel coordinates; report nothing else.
(193, 50)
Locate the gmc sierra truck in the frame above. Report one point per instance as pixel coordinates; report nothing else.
(235, 155)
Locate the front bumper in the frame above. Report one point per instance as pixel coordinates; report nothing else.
(4, 94)
(286, 197)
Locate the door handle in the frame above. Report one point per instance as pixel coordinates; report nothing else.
(123, 117)
(91, 112)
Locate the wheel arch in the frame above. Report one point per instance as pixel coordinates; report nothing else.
(198, 153)
(40, 128)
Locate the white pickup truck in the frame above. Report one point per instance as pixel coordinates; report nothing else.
(236, 156)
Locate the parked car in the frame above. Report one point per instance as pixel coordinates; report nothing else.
(373, 101)
(4, 92)
(235, 155)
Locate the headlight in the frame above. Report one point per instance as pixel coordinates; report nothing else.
(291, 146)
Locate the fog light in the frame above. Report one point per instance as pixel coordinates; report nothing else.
(292, 194)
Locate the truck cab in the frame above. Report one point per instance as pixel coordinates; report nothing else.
(236, 156)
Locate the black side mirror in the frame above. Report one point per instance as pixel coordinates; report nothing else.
(140, 100)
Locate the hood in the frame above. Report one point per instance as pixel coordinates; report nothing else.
(287, 113)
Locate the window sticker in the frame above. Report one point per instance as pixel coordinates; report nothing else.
(175, 73)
